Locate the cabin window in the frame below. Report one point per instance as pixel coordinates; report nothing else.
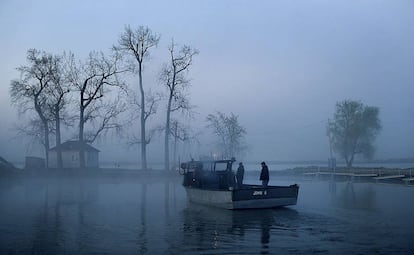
(221, 166)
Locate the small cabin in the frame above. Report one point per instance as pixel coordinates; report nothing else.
(209, 174)
(71, 155)
(34, 163)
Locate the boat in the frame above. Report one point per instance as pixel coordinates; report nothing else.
(213, 183)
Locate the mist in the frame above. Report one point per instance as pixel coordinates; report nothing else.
(281, 67)
(277, 69)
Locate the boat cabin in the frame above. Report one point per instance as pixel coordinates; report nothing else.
(213, 183)
(209, 174)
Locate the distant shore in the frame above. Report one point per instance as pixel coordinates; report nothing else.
(366, 175)
(380, 171)
(391, 173)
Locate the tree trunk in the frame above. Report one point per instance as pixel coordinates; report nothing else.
(58, 140)
(143, 136)
(167, 136)
(351, 161)
(81, 140)
(46, 127)
(175, 145)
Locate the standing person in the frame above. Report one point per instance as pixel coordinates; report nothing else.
(264, 174)
(239, 175)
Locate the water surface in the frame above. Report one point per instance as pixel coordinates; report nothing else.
(152, 216)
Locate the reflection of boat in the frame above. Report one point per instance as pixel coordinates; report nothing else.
(212, 183)
(234, 231)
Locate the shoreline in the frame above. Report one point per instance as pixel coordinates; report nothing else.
(289, 171)
(366, 174)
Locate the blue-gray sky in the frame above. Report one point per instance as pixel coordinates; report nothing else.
(279, 65)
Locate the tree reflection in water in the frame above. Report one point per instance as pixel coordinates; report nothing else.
(142, 239)
(48, 231)
(153, 216)
(353, 196)
(48, 203)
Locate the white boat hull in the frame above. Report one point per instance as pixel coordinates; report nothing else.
(253, 197)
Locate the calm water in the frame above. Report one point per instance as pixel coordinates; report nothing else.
(152, 216)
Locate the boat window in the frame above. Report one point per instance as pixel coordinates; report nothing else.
(221, 166)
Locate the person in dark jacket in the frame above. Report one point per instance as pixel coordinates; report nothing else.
(264, 174)
(239, 175)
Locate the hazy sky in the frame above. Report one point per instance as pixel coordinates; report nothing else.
(279, 65)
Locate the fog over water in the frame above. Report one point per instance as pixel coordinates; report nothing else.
(152, 216)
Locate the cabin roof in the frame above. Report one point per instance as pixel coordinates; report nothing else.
(75, 146)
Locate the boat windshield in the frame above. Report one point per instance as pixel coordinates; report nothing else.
(216, 166)
(221, 166)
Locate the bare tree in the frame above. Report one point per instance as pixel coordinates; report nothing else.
(30, 91)
(229, 133)
(180, 133)
(137, 43)
(105, 116)
(92, 81)
(56, 92)
(151, 106)
(32, 129)
(174, 76)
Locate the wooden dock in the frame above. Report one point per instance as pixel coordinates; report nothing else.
(385, 177)
(380, 176)
(328, 173)
(341, 174)
(365, 175)
(374, 174)
(408, 180)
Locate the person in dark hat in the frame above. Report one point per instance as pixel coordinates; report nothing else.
(239, 175)
(264, 174)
